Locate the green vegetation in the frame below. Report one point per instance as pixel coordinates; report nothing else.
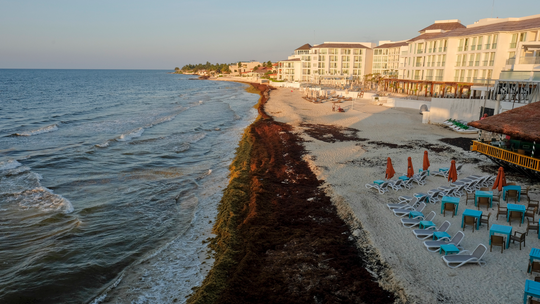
(210, 68)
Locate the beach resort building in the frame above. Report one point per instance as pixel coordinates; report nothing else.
(446, 59)
(244, 67)
(329, 60)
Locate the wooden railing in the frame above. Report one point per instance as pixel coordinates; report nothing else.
(509, 156)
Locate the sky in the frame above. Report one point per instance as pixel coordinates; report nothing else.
(164, 34)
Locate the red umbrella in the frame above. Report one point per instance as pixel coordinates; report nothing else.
(410, 170)
(426, 161)
(389, 169)
(452, 173)
(500, 181)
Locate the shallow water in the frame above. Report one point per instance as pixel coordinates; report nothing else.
(101, 168)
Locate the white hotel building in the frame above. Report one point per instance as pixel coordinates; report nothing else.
(328, 60)
(446, 54)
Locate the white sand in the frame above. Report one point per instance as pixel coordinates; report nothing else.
(420, 276)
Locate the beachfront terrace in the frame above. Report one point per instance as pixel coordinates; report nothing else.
(499, 152)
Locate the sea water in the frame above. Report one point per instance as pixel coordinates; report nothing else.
(101, 170)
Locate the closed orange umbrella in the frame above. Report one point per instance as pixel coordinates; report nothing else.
(426, 161)
(389, 169)
(410, 170)
(452, 173)
(500, 181)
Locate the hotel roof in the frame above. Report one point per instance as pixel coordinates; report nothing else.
(341, 45)
(445, 26)
(306, 46)
(508, 26)
(392, 45)
(294, 59)
(475, 29)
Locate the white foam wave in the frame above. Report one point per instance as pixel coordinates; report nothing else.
(41, 198)
(10, 164)
(45, 129)
(132, 134)
(103, 145)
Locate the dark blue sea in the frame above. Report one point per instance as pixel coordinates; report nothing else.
(110, 180)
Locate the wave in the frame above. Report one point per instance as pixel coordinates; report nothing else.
(132, 134)
(41, 130)
(103, 145)
(20, 186)
(10, 164)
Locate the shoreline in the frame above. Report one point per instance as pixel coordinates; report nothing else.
(278, 233)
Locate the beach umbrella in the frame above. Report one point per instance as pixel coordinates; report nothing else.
(410, 170)
(452, 173)
(500, 181)
(426, 161)
(389, 169)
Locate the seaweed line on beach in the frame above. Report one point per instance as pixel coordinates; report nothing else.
(279, 238)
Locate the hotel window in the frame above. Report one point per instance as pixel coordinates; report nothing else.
(322, 58)
(460, 47)
(484, 74)
(443, 60)
(464, 60)
(439, 76)
(430, 47)
(458, 62)
(462, 75)
(321, 72)
(486, 59)
(357, 72)
(345, 71)
(488, 42)
(420, 48)
(514, 41)
(333, 72)
(479, 45)
(489, 74)
(491, 58)
(456, 76)
(324, 51)
(435, 46)
(466, 45)
(321, 65)
(357, 65)
(417, 75)
(346, 58)
(333, 58)
(494, 44)
(477, 60)
(346, 51)
(473, 44)
(469, 74)
(357, 58)
(345, 65)
(357, 52)
(471, 60)
(334, 51)
(475, 75)
(306, 71)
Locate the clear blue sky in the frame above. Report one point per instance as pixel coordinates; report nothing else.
(163, 34)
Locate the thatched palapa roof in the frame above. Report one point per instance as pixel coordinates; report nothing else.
(520, 123)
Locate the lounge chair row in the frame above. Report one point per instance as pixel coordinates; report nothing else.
(399, 184)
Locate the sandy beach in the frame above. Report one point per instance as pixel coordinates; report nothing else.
(399, 261)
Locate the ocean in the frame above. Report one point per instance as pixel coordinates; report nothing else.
(101, 170)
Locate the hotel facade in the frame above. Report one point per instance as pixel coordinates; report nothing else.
(446, 54)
